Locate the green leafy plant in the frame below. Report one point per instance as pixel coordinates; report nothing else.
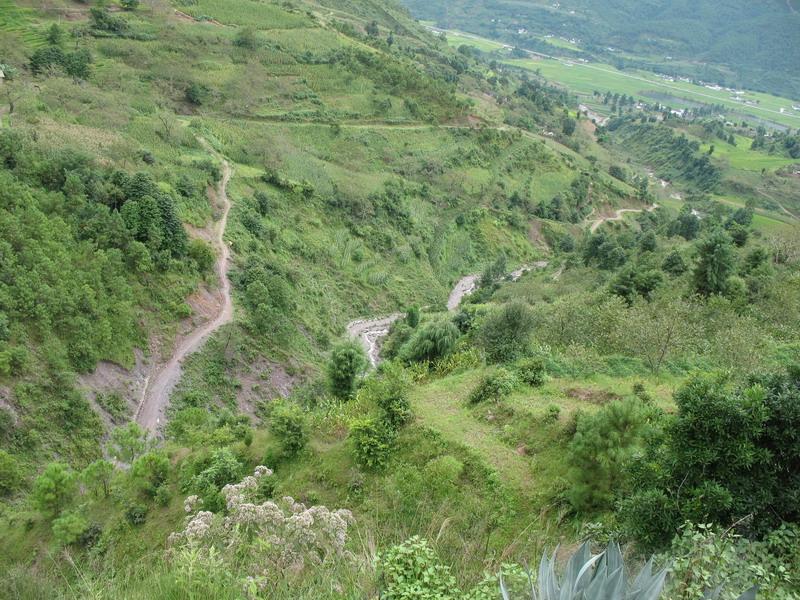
(288, 423)
(390, 391)
(531, 371)
(411, 571)
(372, 443)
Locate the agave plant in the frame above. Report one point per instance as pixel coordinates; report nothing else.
(588, 577)
(601, 577)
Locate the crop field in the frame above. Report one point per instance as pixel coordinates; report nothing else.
(742, 157)
(246, 13)
(585, 78)
(18, 21)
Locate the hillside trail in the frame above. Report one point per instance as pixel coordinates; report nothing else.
(370, 331)
(618, 216)
(159, 385)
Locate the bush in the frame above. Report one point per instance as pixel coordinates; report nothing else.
(390, 393)
(434, 340)
(729, 452)
(10, 474)
(372, 443)
(68, 529)
(552, 413)
(216, 471)
(674, 264)
(348, 361)
(412, 317)
(150, 471)
(505, 334)
(603, 444)
(531, 371)
(494, 386)
(287, 422)
(202, 254)
(54, 489)
(136, 514)
(197, 94)
(411, 571)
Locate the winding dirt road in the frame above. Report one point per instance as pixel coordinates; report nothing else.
(159, 385)
(618, 216)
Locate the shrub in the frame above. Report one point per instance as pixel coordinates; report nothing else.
(552, 413)
(705, 558)
(495, 387)
(150, 471)
(136, 514)
(287, 422)
(197, 94)
(69, 528)
(348, 361)
(219, 469)
(412, 317)
(728, 453)
(371, 442)
(531, 371)
(54, 489)
(163, 495)
(411, 571)
(599, 452)
(390, 393)
(674, 264)
(202, 254)
(10, 474)
(506, 332)
(246, 38)
(430, 342)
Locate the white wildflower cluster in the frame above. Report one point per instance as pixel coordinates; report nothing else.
(279, 538)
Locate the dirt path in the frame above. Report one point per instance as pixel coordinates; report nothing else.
(159, 385)
(618, 216)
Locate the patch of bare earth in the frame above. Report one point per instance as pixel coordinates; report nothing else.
(592, 396)
(111, 378)
(535, 234)
(262, 380)
(6, 404)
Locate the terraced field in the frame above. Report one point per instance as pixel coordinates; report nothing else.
(18, 21)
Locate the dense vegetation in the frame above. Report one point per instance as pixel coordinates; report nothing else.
(635, 384)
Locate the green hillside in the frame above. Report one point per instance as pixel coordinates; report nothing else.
(215, 214)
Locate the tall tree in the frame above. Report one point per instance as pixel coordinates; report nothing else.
(716, 263)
